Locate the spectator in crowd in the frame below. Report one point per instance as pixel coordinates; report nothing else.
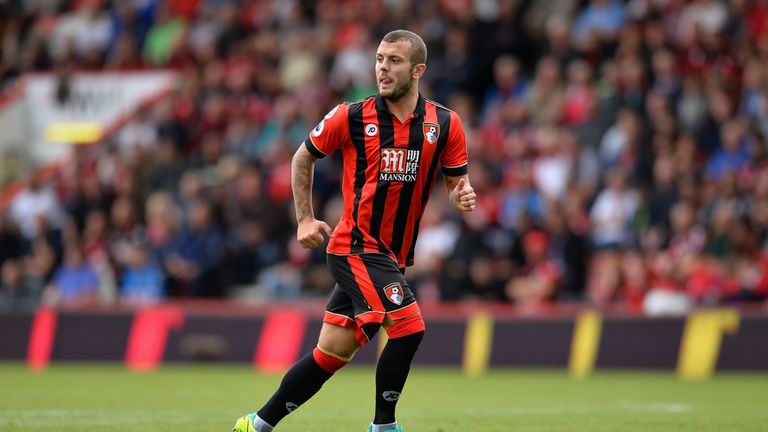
(542, 275)
(75, 282)
(544, 98)
(194, 261)
(601, 20)
(251, 254)
(570, 247)
(18, 291)
(747, 276)
(613, 212)
(35, 207)
(508, 83)
(142, 282)
(732, 155)
(10, 240)
(126, 230)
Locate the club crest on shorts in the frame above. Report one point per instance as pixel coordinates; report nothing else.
(431, 132)
(394, 293)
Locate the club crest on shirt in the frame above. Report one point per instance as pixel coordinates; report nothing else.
(394, 293)
(431, 132)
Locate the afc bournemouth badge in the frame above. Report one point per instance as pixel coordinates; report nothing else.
(394, 293)
(431, 132)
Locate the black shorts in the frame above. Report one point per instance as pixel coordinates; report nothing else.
(368, 288)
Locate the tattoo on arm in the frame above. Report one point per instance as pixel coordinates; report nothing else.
(451, 182)
(302, 170)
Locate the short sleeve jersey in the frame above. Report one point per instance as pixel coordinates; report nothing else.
(389, 171)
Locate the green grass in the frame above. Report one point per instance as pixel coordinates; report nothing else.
(84, 398)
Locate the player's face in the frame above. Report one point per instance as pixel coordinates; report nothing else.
(394, 72)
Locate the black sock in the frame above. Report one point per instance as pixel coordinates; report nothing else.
(299, 384)
(391, 373)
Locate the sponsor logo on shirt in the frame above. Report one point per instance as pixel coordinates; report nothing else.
(371, 129)
(399, 164)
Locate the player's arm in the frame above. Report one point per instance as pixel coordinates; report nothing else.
(310, 230)
(454, 161)
(460, 193)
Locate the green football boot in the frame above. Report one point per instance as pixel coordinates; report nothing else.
(395, 429)
(245, 424)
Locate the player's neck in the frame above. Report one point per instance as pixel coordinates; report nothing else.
(404, 106)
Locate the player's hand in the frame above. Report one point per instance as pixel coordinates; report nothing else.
(464, 198)
(310, 233)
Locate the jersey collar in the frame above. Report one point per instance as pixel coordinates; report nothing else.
(421, 108)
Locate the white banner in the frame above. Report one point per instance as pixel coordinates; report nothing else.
(82, 108)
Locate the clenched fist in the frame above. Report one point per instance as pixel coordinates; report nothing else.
(310, 233)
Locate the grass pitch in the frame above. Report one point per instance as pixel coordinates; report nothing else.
(85, 398)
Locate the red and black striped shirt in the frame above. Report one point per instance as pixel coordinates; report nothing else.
(389, 171)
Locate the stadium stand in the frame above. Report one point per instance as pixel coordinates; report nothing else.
(618, 149)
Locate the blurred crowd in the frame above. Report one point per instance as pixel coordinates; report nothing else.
(618, 149)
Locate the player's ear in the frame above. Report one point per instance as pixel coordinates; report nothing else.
(418, 70)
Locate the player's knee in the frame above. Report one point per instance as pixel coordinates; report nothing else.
(341, 341)
(328, 360)
(410, 326)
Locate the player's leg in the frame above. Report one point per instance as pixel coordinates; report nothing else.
(334, 350)
(337, 343)
(389, 292)
(393, 367)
